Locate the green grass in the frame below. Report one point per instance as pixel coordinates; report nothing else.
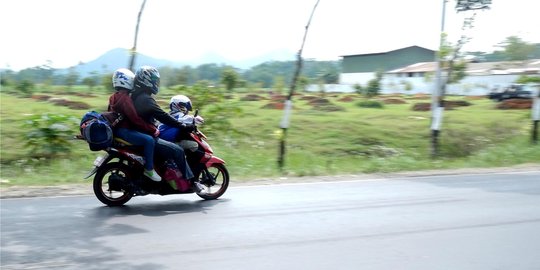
(319, 142)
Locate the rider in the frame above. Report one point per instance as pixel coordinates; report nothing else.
(180, 106)
(133, 128)
(146, 84)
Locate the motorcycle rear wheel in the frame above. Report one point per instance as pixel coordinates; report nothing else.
(112, 196)
(215, 190)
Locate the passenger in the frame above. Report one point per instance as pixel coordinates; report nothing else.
(129, 127)
(146, 84)
(180, 106)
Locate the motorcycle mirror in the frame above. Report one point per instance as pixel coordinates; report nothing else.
(196, 113)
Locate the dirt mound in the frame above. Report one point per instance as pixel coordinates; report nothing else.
(252, 97)
(75, 105)
(274, 105)
(421, 107)
(41, 97)
(318, 101)
(421, 96)
(393, 101)
(308, 98)
(517, 104)
(348, 98)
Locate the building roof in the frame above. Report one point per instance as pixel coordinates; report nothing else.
(483, 68)
(382, 52)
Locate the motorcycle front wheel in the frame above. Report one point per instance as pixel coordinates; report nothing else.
(217, 184)
(110, 184)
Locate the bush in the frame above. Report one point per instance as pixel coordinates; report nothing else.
(50, 135)
(370, 104)
(25, 87)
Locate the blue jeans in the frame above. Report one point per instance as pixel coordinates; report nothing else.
(167, 150)
(138, 138)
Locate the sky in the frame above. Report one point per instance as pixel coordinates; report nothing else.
(66, 32)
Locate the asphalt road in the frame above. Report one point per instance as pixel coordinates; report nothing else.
(475, 221)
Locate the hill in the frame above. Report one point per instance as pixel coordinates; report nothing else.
(119, 57)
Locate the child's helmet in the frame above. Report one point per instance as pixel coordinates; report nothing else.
(123, 77)
(180, 103)
(147, 78)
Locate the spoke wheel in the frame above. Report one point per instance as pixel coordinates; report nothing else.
(218, 184)
(110, 184)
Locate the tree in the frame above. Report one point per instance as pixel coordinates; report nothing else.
(374, 85)
(515, 49)
(92, 80)
(72, 77)
(230, 78)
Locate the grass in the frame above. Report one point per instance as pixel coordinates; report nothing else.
(319, 142)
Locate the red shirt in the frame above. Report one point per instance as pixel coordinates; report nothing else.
(120, 102)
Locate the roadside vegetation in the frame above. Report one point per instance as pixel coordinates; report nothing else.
(330, 134)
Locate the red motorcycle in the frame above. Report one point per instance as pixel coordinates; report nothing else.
(119, 173)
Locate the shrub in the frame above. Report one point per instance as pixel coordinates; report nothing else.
(370, 104)
(49, 135)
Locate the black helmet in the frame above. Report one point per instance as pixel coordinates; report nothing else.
(147, 78)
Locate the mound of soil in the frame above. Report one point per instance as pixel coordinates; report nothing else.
(420, 96)
(421, 107)
(41, 97)
(318, 101)
(277, 97)
(394, 101)
(456, 103)
(274, 105)
(75, 105)
(347, 99)
(252, 97)
(515, 104)
(308, 98)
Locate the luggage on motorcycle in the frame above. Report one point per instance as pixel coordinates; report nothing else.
(96, 129)
(174, 177)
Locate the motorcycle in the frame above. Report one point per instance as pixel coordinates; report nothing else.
(119, 173)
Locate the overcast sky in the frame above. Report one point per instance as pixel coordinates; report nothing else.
(66, 32)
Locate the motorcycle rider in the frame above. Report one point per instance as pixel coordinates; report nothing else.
(127, 129)
(180, 106)
(146, 84)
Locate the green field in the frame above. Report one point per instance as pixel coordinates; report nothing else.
(320, 141)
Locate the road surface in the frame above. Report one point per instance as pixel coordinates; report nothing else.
(469, 221)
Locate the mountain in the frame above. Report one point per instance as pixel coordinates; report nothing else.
(119, 58)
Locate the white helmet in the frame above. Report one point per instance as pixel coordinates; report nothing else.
(123, 77)
(180, 103)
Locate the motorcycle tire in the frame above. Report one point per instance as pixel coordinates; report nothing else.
(112, 194)
(219, 186)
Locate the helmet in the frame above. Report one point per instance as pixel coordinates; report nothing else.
(123, 77)
(180, 103)
(147, 78)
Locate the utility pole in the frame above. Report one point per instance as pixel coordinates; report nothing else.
(284, 125)
(133, 50)
(437, 97)
(535, 113)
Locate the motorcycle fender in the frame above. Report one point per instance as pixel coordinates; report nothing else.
(213, 160)
(97, 164)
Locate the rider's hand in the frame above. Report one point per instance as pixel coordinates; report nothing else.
(188, 127)
(199, 120)
(156, 133)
